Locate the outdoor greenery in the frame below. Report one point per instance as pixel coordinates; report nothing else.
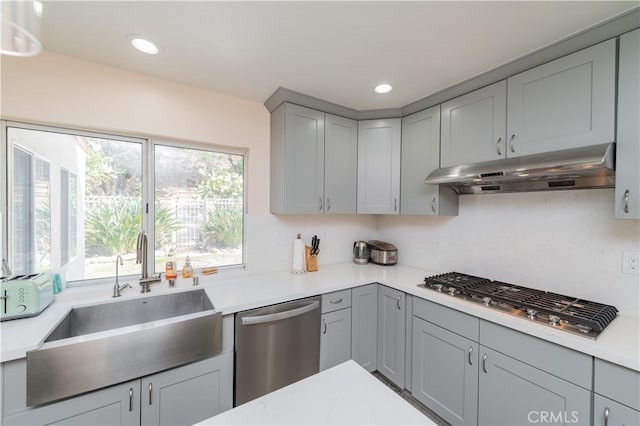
(224, 226)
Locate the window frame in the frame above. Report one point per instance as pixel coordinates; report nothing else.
(148, 186)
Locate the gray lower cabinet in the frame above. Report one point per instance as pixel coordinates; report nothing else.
(364, 326)
(421, 156)
(445, 372)
(514, 393)
(616, 395)
(189, 394)
(335, 338)
(627, 204)
(182, 396)
(391, 334)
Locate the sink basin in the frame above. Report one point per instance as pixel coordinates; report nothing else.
(101, 345)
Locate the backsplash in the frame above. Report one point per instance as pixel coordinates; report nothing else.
(566, 242)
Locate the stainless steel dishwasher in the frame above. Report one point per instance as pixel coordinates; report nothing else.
(275, 346)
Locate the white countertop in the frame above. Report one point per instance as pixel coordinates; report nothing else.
(343, 395)
(619, 343)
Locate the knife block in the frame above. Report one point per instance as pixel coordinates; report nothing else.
(312, 260)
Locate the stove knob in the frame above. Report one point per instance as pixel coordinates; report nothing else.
(531, 313)
(438, 287)
(554, 320)
(452, 291)
(486, 301)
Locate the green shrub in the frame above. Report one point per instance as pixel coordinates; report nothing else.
(224, 226)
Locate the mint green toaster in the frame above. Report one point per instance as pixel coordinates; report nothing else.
(24, 295)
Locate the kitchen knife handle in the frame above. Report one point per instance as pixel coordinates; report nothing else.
(498, 147)
(130, 399)
(150, 391)
(511, 145)
(484, 363)
(470, 350)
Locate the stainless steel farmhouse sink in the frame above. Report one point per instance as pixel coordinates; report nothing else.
(104, 344)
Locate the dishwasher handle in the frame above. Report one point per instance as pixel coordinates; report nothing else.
(261, 319)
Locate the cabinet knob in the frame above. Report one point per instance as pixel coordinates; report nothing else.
(484, 363)
(498, 147)
(130, 399)
(433, 204)
(150, 392)
(328, 204)
(324, 327)
(606, 416)
(511, 144)
(398, 303)
(320, 199)
(469, 355)
(626, 201)
(395, 204)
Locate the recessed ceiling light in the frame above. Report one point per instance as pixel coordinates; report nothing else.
(143, 44)
(383, 88)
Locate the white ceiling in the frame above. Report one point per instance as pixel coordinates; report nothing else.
(337, 51)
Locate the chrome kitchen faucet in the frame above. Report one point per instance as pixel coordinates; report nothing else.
(142, 248)
(117, 288)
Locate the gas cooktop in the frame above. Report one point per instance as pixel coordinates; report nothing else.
(578, 316)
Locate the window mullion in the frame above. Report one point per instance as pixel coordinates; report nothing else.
(148, 201)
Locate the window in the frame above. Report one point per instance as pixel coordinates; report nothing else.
(75, 202)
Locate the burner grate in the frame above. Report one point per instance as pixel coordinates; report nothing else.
(585, 312)
(454, 279)
(507, 293)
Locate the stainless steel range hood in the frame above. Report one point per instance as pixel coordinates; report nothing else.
(577, 168)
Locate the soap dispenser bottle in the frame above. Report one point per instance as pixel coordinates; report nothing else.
(187, 269)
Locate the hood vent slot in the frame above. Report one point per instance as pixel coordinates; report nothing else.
(578, 168)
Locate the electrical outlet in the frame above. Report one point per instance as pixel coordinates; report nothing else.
(631, 262)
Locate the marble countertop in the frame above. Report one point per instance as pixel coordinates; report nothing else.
(343, 395)
(230, 292)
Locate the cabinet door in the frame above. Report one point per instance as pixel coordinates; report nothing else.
(566, 103)
(474, 126)
(420, 156)
(628, 140)
(189, 394)
(340, 165)
(379, 166)
(297, 160)
(391, 334)
(445, 373)
(514, 393)
(335, 338)
(364, 325)
(610, 413)
(116, 405)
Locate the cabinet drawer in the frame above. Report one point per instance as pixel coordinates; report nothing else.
(562, 362)
(618, 383)
(447, 318)
(606, 411)
(336, 300)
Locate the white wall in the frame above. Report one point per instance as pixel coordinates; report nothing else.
(567, 242)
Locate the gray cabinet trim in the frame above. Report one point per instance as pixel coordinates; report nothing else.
(458, 322)
(616, 382)
(594, 35)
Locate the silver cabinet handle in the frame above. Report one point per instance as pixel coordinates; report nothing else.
(335, 302)
(470, 350)
(498, 146)
(324, 327)
(395, 204)
(626, 201)
(130, 399)
(511, 145)
(433, 204)
(261, 319)
(150, 391)
(398, 302)
(606, 416)
(484, 363)
(328, 204)
(320, 203)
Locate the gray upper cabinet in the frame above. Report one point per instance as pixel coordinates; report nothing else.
(566, 103)
(474, 126)
(379, 166)
(627, 204)
(391, 334)
(364, 325)
(341, 165)
(297, 160)
(420, 156)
